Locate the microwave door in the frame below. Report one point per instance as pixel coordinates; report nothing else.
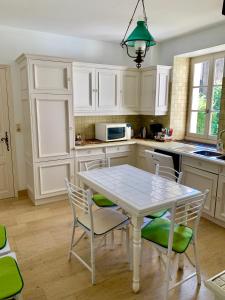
(116, 133)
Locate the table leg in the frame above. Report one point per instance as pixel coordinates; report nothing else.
(136, 222)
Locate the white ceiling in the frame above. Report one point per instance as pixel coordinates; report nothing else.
(107, 19)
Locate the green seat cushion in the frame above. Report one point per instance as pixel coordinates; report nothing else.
(102, 201)
(3, 238)
(11, 282)
(157, 231)
(158, 214)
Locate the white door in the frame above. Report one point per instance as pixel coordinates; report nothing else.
(162, 90)
(51, 77)
(148, 92)
(53, 126)
(84, 91)
(202, 180)
(6, 171)
(220, 202)
(108, 90)
(130, 91)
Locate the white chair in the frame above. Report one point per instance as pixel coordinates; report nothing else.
(10, 278)
(99, 199)
(162, 165)
(95, 224)
(175, 235)
(4, 244)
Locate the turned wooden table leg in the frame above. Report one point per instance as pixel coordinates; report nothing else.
(136, 222)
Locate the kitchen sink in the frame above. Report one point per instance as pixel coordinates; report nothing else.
(222, 157)
(208, 153)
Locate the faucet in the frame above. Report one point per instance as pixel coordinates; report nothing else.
(219, 144)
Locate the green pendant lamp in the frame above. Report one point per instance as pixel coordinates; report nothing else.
(140, 39)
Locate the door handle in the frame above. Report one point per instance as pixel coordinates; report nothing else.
(6, 140)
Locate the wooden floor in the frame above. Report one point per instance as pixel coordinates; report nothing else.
(40, 237)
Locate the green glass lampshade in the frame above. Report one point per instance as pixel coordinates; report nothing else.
(140, 33)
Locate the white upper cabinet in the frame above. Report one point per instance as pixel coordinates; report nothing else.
(84, 91)
(52, 77)
(130, 90)
(155, 90)
(108, 90)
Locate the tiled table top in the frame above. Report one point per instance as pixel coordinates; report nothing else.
(135, 188)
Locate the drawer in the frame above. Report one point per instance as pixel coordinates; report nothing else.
(89, 152)
(118, 149)
(201, 164)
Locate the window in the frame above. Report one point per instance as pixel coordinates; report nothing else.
(205, 96)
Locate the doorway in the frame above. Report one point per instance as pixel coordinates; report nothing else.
(6, 162)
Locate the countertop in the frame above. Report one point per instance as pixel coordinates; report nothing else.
(174, 147)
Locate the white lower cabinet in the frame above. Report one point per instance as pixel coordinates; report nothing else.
(202, 180)
(220, 203)
(50, 177)
(141, 160)
(120, 155)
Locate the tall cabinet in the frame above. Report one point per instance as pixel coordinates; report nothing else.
(46, 95)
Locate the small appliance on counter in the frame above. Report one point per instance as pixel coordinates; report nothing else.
(154, 130)
(165, 135)
(109, 132)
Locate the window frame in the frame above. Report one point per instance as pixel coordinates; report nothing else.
(211, 58)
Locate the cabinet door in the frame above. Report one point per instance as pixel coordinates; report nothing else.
(52, 126)
(148, 92)
(130, 91)
(162, 90)
(141, 159)
(202, 180)
(108, 90)
(51, 77)
(84, 90)
(220, 203)
(50, 177)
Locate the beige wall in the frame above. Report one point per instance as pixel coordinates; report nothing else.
(86, 125)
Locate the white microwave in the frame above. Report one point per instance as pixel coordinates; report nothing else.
(109, 132)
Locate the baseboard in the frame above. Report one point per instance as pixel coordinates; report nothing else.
(22, 194)
(50, 199)
(213, 220)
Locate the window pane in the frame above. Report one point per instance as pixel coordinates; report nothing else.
(199, 96)
(201, 73)
(197, 124)
(218, 71)
(214, 123)
(216, 97)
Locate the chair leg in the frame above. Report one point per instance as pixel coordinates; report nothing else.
(128, 243)
(180, 261)
(92, 240)
(121, 236)
(167, 277)
(72, 240)
(197, 266)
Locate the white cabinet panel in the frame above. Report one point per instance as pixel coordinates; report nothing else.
(220, 203)
(202, 180)
(50, 177)
(50, 77)
(155, 90)
(130, 91)
(107, 89)
(84, 91)
(53, 126)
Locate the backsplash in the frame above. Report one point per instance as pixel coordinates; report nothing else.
(85, 125)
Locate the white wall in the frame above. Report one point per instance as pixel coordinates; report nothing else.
(205, 38)
(16, 41)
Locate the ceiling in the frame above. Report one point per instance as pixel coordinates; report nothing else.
(107, 19)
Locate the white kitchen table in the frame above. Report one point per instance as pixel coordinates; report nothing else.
(139, 193)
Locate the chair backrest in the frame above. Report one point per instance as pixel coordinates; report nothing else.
(187, 212)
(162, 165)
(80, 198)
(97, 164)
